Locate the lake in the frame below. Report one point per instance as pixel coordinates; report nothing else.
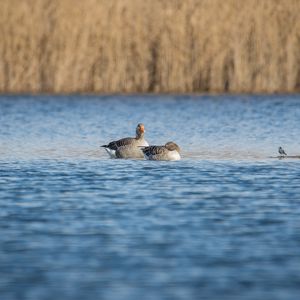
(222, 223)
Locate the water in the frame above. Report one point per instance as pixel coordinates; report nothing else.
(222, 223)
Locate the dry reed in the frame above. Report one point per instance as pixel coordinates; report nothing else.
(166, 46)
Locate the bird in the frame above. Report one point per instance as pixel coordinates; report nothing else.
(281, 151)
(128, 147)
(169, 151)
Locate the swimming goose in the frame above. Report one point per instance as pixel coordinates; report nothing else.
(170, 151)
(128, 147)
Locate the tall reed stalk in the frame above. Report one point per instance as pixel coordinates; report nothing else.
(166, 46)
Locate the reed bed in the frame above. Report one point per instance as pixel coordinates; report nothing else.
(163, 46)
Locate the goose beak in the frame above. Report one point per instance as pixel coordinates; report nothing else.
(142, 128)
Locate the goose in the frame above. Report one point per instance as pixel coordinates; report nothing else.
(170, 151)
(128, 147)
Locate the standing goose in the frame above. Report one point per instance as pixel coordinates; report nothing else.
(128, 147)
(170, 151)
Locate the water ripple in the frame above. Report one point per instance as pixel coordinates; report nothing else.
(221, 223)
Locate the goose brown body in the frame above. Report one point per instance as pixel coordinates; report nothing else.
(169, 151)
(128, 147)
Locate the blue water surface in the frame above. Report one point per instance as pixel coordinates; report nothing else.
(222, 223)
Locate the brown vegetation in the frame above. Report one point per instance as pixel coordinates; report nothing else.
(176, 46)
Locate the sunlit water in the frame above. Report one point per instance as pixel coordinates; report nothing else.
(222, 223)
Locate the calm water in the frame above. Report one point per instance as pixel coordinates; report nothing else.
(222, 223)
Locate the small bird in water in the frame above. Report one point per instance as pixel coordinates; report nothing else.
(281, 151)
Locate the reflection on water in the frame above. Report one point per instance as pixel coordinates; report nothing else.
(221, 223)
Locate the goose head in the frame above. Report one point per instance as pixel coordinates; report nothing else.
(140, 130)
(171, 146)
